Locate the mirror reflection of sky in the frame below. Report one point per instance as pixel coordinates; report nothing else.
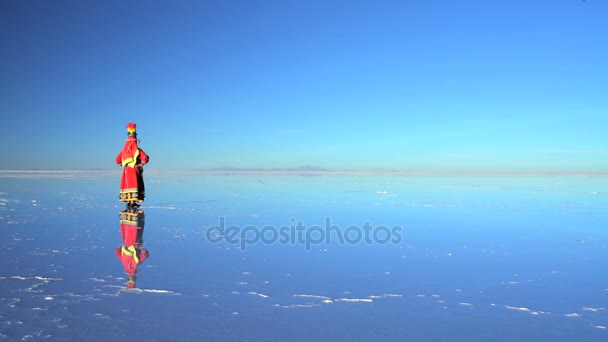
(481, 258)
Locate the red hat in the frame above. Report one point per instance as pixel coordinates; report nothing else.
(131, 128)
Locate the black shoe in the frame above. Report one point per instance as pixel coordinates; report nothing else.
(135, 205)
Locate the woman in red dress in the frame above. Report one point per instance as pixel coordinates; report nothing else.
(132, 159)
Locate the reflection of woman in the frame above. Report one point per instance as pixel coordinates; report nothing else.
(132, 159)
(132, 252)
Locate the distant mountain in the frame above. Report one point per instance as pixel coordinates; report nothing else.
(232, 169)
(304, 168)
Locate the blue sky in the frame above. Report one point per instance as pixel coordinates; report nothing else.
(516, 85)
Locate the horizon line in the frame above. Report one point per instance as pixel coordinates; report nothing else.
(322, 172)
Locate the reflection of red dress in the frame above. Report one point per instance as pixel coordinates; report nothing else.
(132, 159)
(132, 253)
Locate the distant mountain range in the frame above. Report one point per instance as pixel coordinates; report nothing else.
(304, 168)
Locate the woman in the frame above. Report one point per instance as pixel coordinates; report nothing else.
(132, 159)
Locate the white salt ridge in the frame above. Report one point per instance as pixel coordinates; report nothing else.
(297, 306)
(160, 291)
(97, 280)
(305, 305)
(311, 296)
(386, 295)
(140, 291)
(599, 326)
(574, 314)
(354, 300)
(532, 312)
(81, 296)
(258, 294)
(593, 309)
(465, 304)
(18, 277)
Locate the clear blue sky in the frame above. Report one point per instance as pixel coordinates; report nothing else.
(513, 85)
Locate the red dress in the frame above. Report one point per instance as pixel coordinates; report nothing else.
(132, 252)
(132, 159)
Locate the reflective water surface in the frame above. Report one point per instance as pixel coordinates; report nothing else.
(306, 258)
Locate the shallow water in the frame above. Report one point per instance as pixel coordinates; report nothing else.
(307, 258)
